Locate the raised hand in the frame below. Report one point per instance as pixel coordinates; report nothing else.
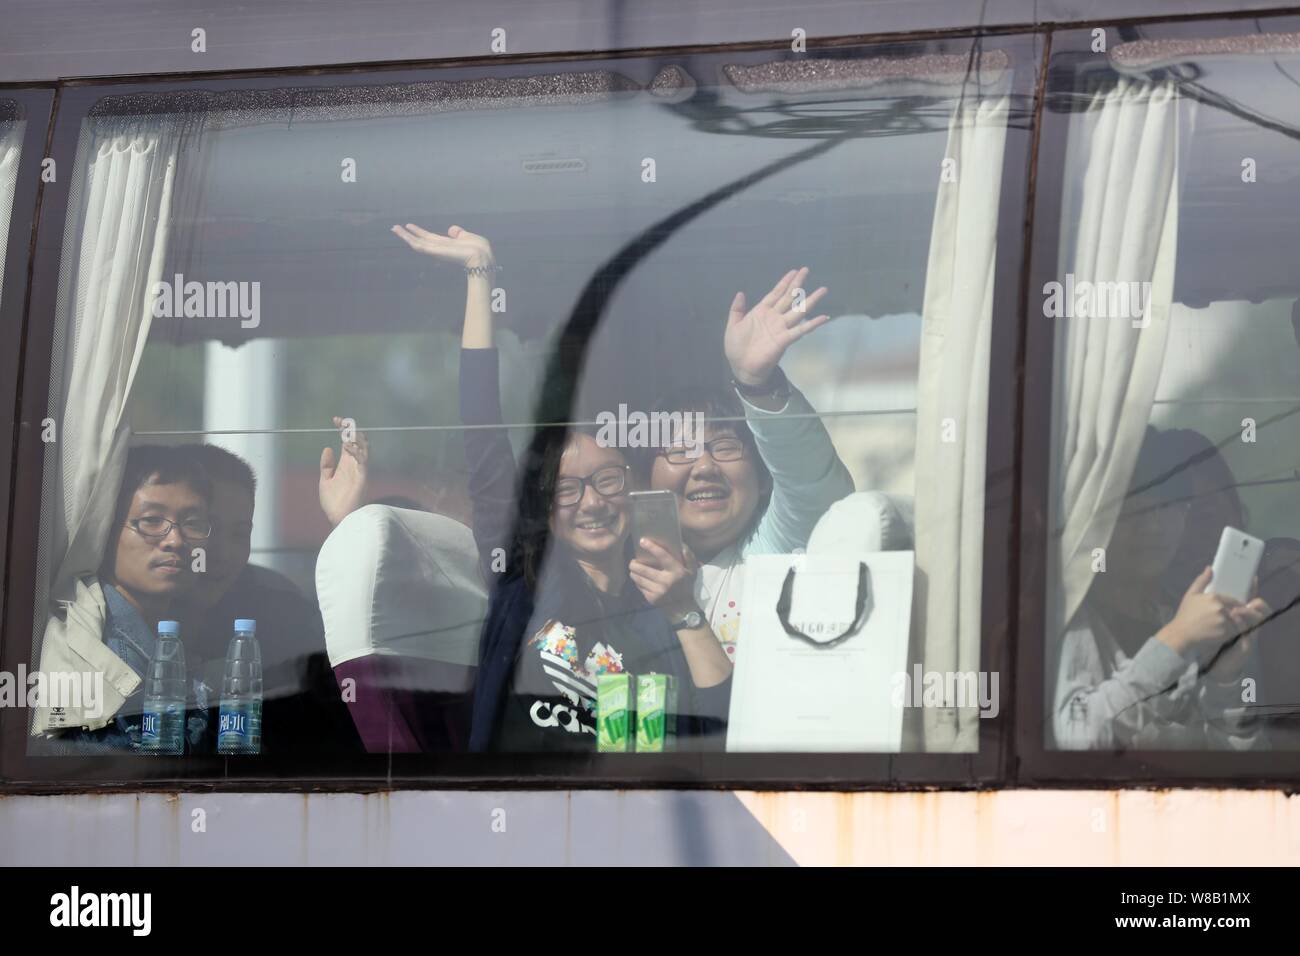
(342, 486)
(755, 340)
(459, 245)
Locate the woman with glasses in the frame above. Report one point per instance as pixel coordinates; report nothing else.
(568, 602)
(1134, 672)
(161, 516)
(767, 470)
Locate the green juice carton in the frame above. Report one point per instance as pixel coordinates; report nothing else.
(615, 714)
(656, 713)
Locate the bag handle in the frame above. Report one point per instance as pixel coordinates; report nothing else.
(859, 616)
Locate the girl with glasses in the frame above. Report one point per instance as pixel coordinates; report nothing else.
(767, 470)
(567, 602)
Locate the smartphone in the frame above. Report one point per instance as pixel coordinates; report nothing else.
(654, 516)
(1236, 564)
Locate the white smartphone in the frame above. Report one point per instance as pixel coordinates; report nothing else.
(654, 516)
(1236, 564)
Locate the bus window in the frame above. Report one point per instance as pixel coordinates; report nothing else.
(634, 405)
(1173, 571)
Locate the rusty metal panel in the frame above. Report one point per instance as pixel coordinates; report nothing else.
(608, 828)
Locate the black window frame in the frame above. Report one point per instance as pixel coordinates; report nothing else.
(1070, 64)
(36, 104)
(1011, 751)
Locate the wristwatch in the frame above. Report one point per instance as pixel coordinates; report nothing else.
(689, 622)
(777, 387)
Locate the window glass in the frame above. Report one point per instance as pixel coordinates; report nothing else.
(1175, 554)
(636, 405)
(11, 144)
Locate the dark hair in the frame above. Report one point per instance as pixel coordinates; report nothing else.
(155, 465)
(1214, 505)
(223, 465)
(1204, 461)
(1163, 467)
(1279, 574)
(536, 499)
(723, 409)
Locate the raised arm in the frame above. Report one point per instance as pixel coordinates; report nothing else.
(807, 474)
(491, 462)
(474, 253)
(1156, 699)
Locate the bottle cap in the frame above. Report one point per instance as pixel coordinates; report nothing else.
(169, 627)
(246, 624)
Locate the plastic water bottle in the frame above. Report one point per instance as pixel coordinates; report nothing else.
(162, 729)
(239, 727)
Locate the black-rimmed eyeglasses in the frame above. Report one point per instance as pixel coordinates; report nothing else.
(720, 449)
(156, 527)
(608, 483)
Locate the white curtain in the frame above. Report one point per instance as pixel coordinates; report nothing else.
(1107, 369)
(952, 412)
(11, 147)
(114, 248)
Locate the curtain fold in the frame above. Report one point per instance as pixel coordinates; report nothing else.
(1107, 368)
(952, 414)
(11, 147)
(114, 251)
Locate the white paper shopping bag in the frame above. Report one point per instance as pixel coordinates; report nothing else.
(822, 640)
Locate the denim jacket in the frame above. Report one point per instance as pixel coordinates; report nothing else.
(130, 637)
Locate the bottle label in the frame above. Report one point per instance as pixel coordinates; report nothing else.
(239, 727)
(162, 728)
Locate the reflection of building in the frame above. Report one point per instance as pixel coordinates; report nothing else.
(242, 394)
(861, 374)
(1225, 364)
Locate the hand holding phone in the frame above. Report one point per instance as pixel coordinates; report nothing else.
(1235, 565)
(1217, 605)
(654, 516)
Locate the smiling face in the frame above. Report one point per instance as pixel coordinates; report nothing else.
(151, 571)
(595, 526)
(716, 501)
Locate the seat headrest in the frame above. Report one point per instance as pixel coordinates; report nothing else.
(394, 581)
(864, 521)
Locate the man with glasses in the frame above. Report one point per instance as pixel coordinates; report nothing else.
(161, 516)
(303, 710)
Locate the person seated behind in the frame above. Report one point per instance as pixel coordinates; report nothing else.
(303, 709)
(1278, 693)
(1134, 673)
(767, 470)
(161, 515)
(1214, 505)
